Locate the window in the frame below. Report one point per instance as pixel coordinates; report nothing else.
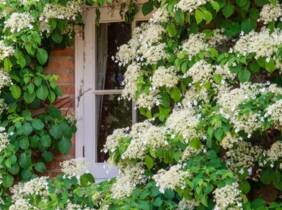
(99, 109)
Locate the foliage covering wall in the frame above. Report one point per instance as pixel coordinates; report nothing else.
(207, 75)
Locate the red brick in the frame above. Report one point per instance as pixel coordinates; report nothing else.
(63, 52)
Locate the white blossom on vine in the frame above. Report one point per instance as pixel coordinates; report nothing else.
(270, 13)
(5, 51)
(19, 21)
(74, 167)
(190, 5)
(172, 178)
(164, 77)
(228, 197)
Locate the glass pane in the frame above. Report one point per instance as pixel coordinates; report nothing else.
(109, 37)
(111, 113)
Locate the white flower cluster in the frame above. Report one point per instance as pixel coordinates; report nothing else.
(5, 50)
(202, 72)
(190, 5)
(74, 167)
(274, 111)
(155, 138)
(229, 100)
(5, 79)
(130, 177)
(274, 154)
(270, 13)
(229, 141)
(190, 152)
(261, 44)
(199, 42)
(113, 140)
(22, 204)
(228, 197)
(184, 122)
(147, 100)
(164, 77)
(243, 156)
(137, 147)
(130, 80)
(193, 96)
(37, 186)
(4, 141)
(57, 11)
(187, 205)
(144, 45)
(159, 16)
(19, 21)
(172, 178)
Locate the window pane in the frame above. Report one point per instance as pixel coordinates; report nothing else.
(109, 37)
(111, 113)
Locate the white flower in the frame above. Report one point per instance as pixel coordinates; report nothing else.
(262, 44)
(243, 156)
(195, 44)
(5, 51)
(57, 11)
(228, 141)
(171, 179)
(190, 152)
(275, 152)
(74, 167)
(200, 72)
(126, 182)
(155, 137)
(187, 205)
(131, 76)
(164, 77)
(22, 204)
(228, 197)
(184, 122)
(147, 100)
(159, 16)
(274, 111)
(4, 141)
(153, 53)
(19, 21)
(190, 5)
(113, 140)
(270, 12)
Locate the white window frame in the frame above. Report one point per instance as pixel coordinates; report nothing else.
(85, 92)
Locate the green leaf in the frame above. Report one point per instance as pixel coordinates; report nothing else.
(20, 58)
(47, 156)
(228, 10)
(244, 75)
(171, 29)
(7, 180)
(7, 64)
(64, 145)
(29, 98)
(207, 15)
(40, 167)
(86, 180)
(25, 160)
(42, 92)
(45, 141)
(179, 17)
(199, 16)
(175, 94)
(147, 7)
(15, 91)
(266, 176)
(57, 38)
(42, 56)
(248, 25)
(215, 5)
(24, 143)
(37, 124)
(270, 66)
(27, 129)
(149, 162)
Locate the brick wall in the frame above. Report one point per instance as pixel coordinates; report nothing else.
(61, 63)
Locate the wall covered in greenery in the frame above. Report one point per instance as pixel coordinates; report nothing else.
(206, 74)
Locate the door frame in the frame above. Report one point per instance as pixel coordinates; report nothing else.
(85, 64)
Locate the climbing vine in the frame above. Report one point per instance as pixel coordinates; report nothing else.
(206, 74)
